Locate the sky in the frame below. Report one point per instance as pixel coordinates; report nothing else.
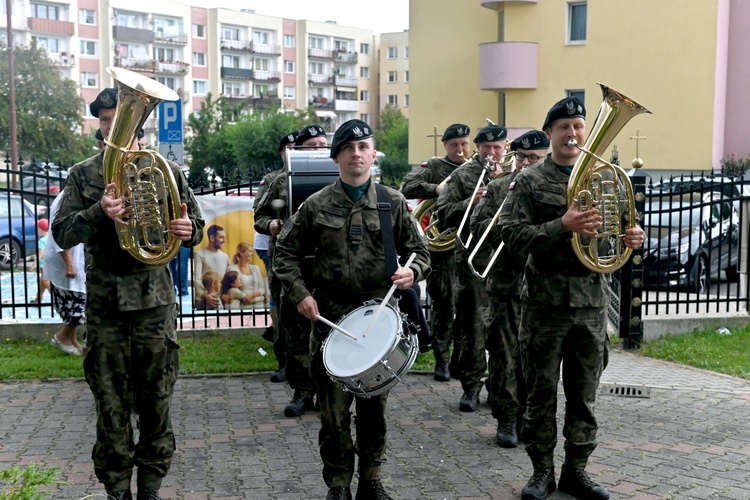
(389, 16)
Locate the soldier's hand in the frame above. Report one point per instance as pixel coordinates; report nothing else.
(584, 223)
(634, 238)
(403, 277)
(275, 227)
(112, 206)
(308, 307)
(182, 228)
(478, 196)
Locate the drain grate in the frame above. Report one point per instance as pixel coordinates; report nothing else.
(628, 391)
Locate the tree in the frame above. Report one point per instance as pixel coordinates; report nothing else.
(48, 108)
(392, 138)
(203, 145)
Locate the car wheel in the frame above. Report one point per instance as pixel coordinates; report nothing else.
(700, 276)
(732, 273)
(10, 251)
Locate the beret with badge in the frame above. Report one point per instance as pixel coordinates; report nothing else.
(491, 133)
(308, 133)
(288, 139)
(353, 130)
(533, 139)
(107, 99)
(570, 107)
(455, 130)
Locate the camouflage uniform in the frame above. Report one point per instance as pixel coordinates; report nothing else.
(505, 384)
(349, 268)
(453, 202)
(131, 358)
(563, 317)
(421, 183)
(292, 326)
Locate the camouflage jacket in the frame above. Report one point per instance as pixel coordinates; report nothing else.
(346, 240)
(531, 222)
(115, 280)
(423, 179)
(263, 212)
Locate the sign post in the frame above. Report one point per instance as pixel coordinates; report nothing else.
(170, 130)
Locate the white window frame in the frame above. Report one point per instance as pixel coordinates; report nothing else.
(406, 100)
(85, 45)
(290, 92)
(365, 117)
(289, 67)
(83, 15)
(364, 72)
(573, 12)
(392, 77)
(199, 59)
(289, 41)
(199, 31)
(200, 83)
(406, 76)
(392, 52)
(406, 52)
(316, 42)
(364, 49)
(392, 100)
(364, 95)
(89, 79)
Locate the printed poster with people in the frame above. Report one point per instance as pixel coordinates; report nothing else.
(227, 273)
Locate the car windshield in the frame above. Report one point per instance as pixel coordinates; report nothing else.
(12, 208)
(672, 215)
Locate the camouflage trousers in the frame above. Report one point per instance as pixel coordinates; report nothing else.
(506, 384)
(441, 286)
(131, 362)
(296, 330)
(280, 349)
(337, 447)
(575, 337)
(470, 309)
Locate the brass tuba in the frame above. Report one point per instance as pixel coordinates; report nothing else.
(150, 192)
(604, 186)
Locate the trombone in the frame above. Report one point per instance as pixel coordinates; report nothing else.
(479, 244)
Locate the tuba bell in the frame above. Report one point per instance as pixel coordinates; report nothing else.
(604, 186)
(150, 192)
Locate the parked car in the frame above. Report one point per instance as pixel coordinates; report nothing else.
(690, 239)
(727, 186)
(41, 188)
(18, 234)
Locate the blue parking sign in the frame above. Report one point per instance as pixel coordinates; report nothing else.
(170, 121)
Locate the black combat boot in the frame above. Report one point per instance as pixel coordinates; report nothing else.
(279, 375)
(577, 482)
(267, 334)
(339, 493)
(540, 484)
(298, 405)
(442, 373)
(469, 401)
(120, 495)
(371, 489)
(506, 434)
(148, 494)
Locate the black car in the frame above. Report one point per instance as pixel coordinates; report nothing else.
(690, 239)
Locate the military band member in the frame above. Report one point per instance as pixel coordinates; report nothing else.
(425, 182)
(563, 313)
(340, 224)
(505, 384)
(131, 356)
(453, 203)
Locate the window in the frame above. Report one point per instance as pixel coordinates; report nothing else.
(42, 11)
(199, 59)
(288, 66)
(200, 87)
(230, 34)
(261, 64)
(230, 61)
(364, 48)
(364, 95)
(89, 79)
(127, 19)
(51, 45)
(580, 94)
(364, 72)
(232, 89)
(365, 117)
(392, 76)
(406, 52)
(406, 76)
(86, 16)
(577, 22)
(341, 45)
(316, 68)
(88, 48)
(261, 90)
(406, 100)
(392, 100)
(86, 112)
(289, 93)
(261, 37)
(392, 52)
(162, 54)
(316, 43)
(199, 31)
(289, 41)
(166, 80)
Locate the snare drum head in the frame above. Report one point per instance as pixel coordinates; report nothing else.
(344, 357)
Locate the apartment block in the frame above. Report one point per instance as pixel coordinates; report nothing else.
(394, 71)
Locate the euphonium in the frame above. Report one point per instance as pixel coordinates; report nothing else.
(604, 186)
(150, 192)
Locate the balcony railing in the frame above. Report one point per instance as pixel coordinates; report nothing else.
(63, 59)
(238, 73)
(345, 56)
(320, 78)
(346, 81)
(265, 102)
(179, 39)
(175, 67)
(346, 105)
(320, 102)
(266, 76)
(128, 34)
(265, 48)
(227, 44)
(320, 53)
(141, 65)
(52, 26)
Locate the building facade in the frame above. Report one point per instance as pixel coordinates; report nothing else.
(394, 71)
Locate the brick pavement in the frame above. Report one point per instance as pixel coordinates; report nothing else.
(688, 439)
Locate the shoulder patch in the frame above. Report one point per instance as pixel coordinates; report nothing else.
(287, 227)
(423, 164)
(512, 185)
(484, 193)
(448, 179)
(262, 182)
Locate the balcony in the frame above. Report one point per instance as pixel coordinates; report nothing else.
(504, 69)
(265, 48)
(320, 102)
(320, 78)
(179, 39)
(266, 102)
(495, 4)
(320, 53)
(227, 44)
(236, 73)
(346, 81)
(63, 59)
(51, 26)
(345, 57)
(346, 105)
(266, 76)
(127, 34)
(139, 65)
(235, 98)
(172, 67)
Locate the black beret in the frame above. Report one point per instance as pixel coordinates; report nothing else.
(99, 136)
(308, 133)
(288, 139)
(533, 139)
(107, 99)
(353, 130)
(456, 130)
(491, 133)
(570, 107)
(141, 134)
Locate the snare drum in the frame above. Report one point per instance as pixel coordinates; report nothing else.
(374, 363)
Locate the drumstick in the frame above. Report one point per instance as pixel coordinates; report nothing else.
(336, 327)
(387, 298)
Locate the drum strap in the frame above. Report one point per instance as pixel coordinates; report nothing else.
(386, 229)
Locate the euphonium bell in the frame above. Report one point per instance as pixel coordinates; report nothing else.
(150, 192)
(604, 186)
